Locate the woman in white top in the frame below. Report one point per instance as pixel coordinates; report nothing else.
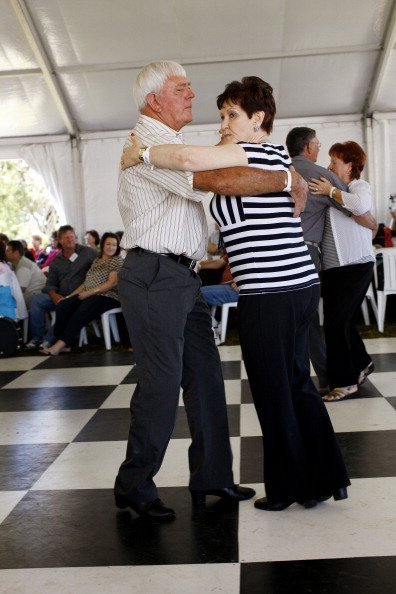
(347, 260)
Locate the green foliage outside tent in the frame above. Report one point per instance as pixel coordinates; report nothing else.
(26, 207)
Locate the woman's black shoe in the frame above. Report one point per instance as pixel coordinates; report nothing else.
(235, 493)
(266, 505)
(153, 509)
(338, 495)
(341, 493)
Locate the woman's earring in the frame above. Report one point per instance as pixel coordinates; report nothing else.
(256, 128)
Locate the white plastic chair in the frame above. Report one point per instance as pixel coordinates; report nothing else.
(369, 297)
(225, 308)
(110, 327)
(389, 264)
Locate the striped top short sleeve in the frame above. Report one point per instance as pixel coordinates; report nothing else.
(264, 242)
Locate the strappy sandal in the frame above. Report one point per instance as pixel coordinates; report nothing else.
(338, 394)
(365, 372)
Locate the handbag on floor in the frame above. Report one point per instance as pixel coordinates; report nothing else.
(10, 337)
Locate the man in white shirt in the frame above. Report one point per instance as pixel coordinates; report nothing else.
(168, 320)
(29, 275)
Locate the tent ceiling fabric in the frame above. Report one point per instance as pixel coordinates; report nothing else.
(320, 57)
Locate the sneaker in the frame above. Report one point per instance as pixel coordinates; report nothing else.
(32, 344)
(365, 372)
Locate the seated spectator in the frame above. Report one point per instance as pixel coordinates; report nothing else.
(37, 247)
(92, 239)
(224, 292)
(97, 294)
(66, 272)
(12, 304)
(213, 248)
(29, 275)
(54, 249)
(27, 253)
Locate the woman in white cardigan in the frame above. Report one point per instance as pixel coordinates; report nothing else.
(347, 269)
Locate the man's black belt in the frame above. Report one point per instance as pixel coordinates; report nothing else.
(180, 259)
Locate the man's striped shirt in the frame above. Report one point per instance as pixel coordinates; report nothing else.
(159, 208)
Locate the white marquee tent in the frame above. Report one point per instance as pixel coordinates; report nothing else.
(66, 68)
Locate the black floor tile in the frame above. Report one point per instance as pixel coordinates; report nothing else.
(384, 362)
(87, 359)
(231, 369)
(246, 395)
(69, 398)
(392, 401)
(112, 424)
(369, 454)
(369, 575)
(22, 465)
(107, 424)
(131, 377)
(78, 528)
(252, 460)
(8, 376)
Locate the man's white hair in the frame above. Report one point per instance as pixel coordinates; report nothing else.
(152, 78)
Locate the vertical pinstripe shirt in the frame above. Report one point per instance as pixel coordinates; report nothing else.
(160, 210)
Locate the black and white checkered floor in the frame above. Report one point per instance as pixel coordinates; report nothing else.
(63, 425)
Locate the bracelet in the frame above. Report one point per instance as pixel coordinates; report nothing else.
(288, 184)
(146, 155)
(333, 189)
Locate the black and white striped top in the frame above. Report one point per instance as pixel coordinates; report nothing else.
(264, 242)
(160, 209)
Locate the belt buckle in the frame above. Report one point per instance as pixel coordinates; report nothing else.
(192, 264)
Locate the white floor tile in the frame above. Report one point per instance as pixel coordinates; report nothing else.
(233, 391)
(361, 526)
(8, 500)
(377, 346)
(370, 414)
(249, 422)
(385, 382)
(83, 376)
(174, 470)
(243, 371)
(230, 353)
(94, 465)
(163, 579)
(120, 397)
(19, 363)
(84, 465)
(43, 426)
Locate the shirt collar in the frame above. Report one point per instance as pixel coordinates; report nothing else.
(160, 127)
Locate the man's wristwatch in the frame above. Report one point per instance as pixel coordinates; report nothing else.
(140, 153)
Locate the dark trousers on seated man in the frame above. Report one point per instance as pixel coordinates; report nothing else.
(169, 324)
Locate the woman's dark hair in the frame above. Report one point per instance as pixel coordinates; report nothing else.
(95, 235)
(102, 242)
(350, 152)
(252, 94)
(2, 252)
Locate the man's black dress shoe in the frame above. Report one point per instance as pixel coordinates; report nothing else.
(235, 493)
(266, 505)
(154, 509)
